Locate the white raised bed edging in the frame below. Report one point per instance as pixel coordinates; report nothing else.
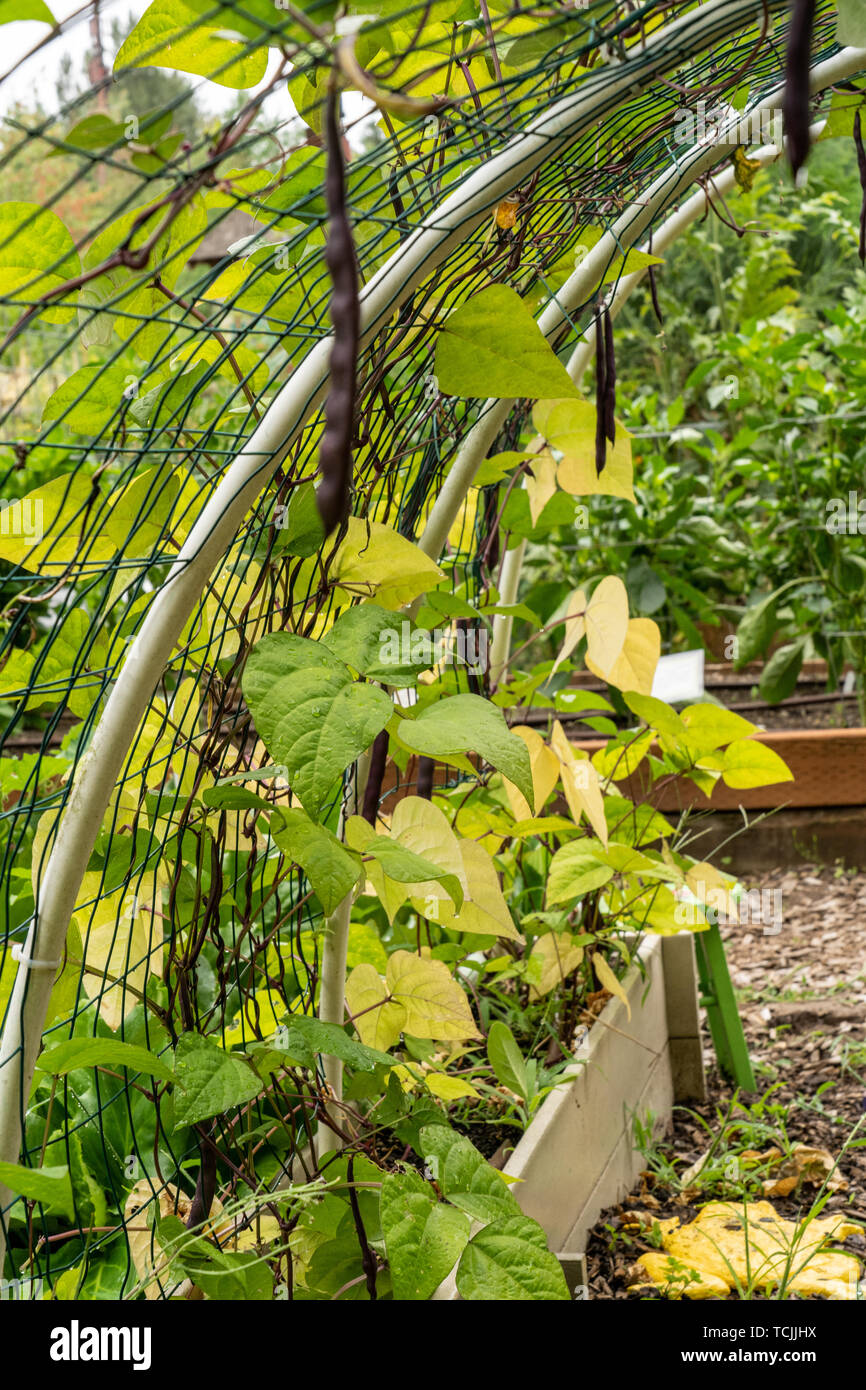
(578, 1156)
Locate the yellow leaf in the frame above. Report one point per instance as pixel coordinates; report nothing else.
(621, 759)
(552, 960)
(745, 169)
(608, 980)
(152, 746)
(57, 525)
(636, 664)
(712, 888)
(434, 1003)
(122, 939)
(545, 773)
(749, 1245)
(422, 827)
(260, 1018)
(569, 427)
(540, 484)
(575, 627)
(378, 1021)
(450, 1087)
(748, 763)
(475, 821)
(408, 1080)
(606, 625)
(506, 213)
(580, 783)
(374, 559)
(234, 606)
(263, 1230)
(144, 1248)
(484, 909)
(462, 532)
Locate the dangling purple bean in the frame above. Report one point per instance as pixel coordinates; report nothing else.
(600, 397)
(795, 104)
(373, 789)
(424, 778)
(654, 289)
(861, 165)
(609, 379)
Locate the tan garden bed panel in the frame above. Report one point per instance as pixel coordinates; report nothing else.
(578, 1155)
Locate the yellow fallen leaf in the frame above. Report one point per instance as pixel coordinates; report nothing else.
(749, 1245)
(805, 1164)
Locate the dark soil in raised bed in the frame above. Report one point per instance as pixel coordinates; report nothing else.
(821, 712)
(802, 998)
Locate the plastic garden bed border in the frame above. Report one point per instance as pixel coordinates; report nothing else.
(578, 1156)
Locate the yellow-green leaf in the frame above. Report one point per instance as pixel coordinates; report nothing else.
(484, 910)
(374, 560)
(748, 763)
(434, 1002)
(378, 1020)
(553, 959)
(635, 666)
(608, 980)
(450, 1087)
(569, 427)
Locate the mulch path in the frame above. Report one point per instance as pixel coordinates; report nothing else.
(803, 1003)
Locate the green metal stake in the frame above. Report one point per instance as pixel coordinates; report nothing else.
(723, 1016)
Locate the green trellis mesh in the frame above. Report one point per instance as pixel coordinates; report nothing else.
(131, 394)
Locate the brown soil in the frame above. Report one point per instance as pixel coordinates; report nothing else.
(803, 1003)
(830, 712)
